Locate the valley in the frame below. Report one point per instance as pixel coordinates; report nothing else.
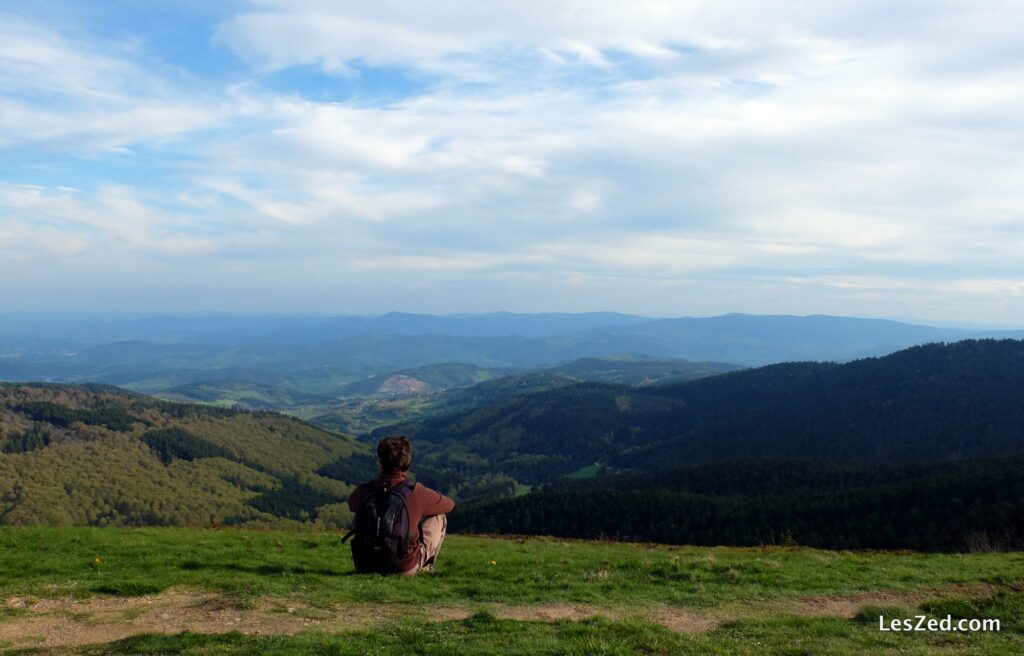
(918, 449)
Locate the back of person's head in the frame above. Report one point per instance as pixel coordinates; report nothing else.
(394, 454)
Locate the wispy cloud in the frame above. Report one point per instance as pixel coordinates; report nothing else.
(649, 156)
(76, 97)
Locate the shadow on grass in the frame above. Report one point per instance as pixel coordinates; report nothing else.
(127, 588)
(263, 570)
(151, 643)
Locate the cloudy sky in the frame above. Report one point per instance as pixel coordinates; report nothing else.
(658, 157)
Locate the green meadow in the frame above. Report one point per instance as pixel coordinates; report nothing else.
(164, 591)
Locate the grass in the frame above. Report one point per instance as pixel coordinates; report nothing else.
(313, 570)
(588, 471)
(316, 568)
(480, 635)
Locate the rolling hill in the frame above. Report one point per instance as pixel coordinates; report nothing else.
(433, 377)
(415, 394)
(96, 455)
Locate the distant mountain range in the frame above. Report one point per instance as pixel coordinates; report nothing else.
(73, 332)
(320, 354)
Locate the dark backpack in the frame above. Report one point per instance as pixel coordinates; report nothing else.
(381, 532)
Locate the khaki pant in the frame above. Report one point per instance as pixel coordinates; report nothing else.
(432, 532)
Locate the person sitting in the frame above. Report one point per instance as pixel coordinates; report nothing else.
(399, 525)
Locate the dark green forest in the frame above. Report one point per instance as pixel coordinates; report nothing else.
(960, 505)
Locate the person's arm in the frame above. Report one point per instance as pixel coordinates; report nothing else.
(355, 500)
(433, 502)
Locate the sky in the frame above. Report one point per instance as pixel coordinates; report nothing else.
(656, 157)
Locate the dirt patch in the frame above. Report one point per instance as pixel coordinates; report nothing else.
(532, 612)
(450, 613)
(682, 620)
(71, 622)
(693, 620)
(848, 605)
(552, 612)
(688, 620)
(65, 622)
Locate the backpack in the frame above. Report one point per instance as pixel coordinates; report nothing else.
(381, 530)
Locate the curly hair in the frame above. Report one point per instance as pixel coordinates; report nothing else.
(394, 453)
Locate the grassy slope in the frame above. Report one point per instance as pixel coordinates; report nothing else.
(757, 588)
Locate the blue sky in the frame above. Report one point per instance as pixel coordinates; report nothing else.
(662, 158)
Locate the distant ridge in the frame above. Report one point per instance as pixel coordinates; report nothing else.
(764, 339)
(315, 354)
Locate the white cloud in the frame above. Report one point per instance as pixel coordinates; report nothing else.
(102, 226)
(68, 96)
(585, 200)
(722, 145)
(286, 33)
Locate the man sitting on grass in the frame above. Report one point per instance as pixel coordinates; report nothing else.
(399, 525)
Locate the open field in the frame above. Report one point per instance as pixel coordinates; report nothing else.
(121, 591)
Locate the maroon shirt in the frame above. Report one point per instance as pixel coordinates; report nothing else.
(421, 502)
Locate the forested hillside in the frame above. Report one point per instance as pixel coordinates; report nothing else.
(927, 403)
(959, 505)
(97, 455)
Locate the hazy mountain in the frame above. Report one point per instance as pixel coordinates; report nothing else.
(57, 332)
(319, 354)
(496, 324)
(755, 340)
